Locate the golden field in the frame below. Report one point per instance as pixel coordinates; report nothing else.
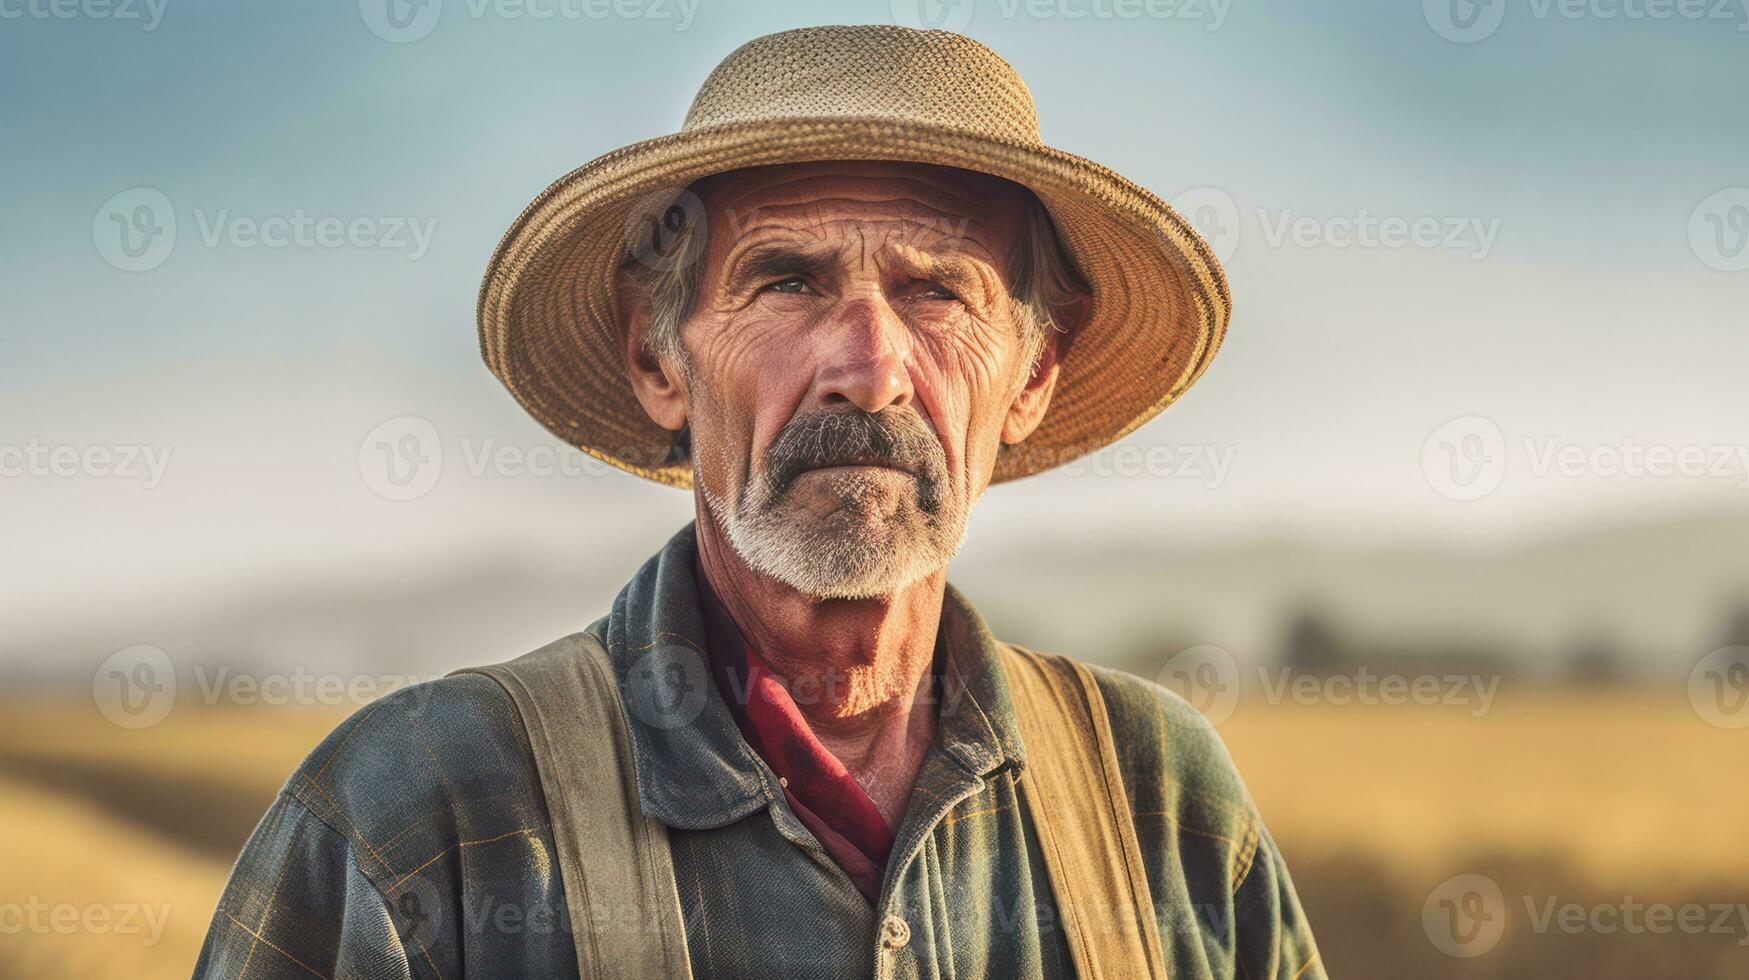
(1599, 799)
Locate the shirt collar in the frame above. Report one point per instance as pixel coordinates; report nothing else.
(694, 768)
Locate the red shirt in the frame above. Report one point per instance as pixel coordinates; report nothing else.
(821, 792)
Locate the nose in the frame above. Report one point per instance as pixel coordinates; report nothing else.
(863, 361)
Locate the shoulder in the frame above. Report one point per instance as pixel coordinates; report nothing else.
(425, 769)
(1165, 731)
(1212, 867)
(1185, 793)
(421, 805)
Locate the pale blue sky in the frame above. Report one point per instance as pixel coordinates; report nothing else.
(1586, 144)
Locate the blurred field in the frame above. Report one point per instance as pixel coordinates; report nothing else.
(1584, 797)
(1595, 798)
(101, 817)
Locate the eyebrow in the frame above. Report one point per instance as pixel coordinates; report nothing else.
(770, 262)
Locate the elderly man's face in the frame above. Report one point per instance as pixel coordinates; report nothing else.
(851, 366)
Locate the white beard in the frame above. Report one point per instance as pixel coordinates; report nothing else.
(855, 552)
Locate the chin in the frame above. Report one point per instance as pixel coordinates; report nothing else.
(854, 538)
(852, 497)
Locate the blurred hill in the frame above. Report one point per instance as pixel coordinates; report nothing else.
(1640, 599)
(1647, 598)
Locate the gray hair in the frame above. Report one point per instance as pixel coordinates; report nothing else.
(1041, 277)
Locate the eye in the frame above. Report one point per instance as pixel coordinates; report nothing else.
(794, 284)
(935, 291)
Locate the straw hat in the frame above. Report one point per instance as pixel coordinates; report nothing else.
(548, 327)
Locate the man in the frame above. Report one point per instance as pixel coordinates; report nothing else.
(852, 292)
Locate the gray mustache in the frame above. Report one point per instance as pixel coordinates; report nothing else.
(854, 437)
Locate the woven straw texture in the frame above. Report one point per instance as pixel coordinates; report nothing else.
(548, 327)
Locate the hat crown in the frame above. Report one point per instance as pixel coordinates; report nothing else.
(900, 74)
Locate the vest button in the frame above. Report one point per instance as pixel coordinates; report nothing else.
(895, 932)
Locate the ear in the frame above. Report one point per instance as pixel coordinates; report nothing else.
(655, 381)
(1028, 409)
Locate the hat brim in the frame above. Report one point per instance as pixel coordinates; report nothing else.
(550, 332)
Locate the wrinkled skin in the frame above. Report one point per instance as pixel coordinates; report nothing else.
(874, 287)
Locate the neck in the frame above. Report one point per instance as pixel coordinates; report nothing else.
(857, 669)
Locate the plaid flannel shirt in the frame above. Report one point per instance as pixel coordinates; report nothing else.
(414, 841)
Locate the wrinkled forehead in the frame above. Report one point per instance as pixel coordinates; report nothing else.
(906, 205)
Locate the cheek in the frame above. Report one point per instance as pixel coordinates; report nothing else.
(963, 378)
(751, 376)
